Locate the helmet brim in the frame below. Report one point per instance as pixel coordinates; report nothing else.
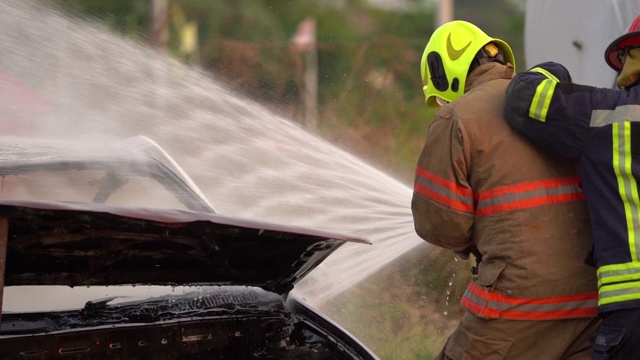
(631, 39)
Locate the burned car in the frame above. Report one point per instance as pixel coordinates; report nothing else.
(88, 275)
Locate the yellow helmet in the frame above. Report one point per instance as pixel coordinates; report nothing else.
(448, 56)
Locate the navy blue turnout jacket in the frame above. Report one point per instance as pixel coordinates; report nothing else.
(598, 129)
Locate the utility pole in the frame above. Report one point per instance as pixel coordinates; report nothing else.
(445, 12)
(311, 86)
(304, 41)
(160, 24)
(159, 39)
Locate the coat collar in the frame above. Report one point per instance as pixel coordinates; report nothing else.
(487, 72)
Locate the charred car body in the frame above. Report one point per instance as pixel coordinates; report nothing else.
(178, 280)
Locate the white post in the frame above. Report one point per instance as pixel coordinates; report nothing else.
(445, 12)
(159, 39)
(311, 87)
(160, 24)
(304, 41)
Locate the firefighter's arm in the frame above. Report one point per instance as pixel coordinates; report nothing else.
(442, 204)
(529, 94)
(543, 105)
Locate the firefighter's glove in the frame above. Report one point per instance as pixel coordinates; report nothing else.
(464, 254)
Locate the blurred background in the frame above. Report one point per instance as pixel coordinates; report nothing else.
(302, 112)
(365, 56)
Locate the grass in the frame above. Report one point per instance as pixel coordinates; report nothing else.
(408, 309)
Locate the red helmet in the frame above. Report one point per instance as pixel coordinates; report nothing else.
(615, 50)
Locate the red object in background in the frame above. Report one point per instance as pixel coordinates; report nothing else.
(18, 107)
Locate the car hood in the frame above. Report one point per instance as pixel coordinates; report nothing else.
(81, 244)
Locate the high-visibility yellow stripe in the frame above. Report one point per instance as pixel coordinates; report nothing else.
(618, 292)
(545, 73)
(627, 185)
(544, 92)
(617, 273)
(542, 99)
(612, 278)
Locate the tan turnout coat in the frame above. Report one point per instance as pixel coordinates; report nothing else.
(479, 183)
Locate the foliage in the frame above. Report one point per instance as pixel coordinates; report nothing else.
(129, 17)
(370, 98)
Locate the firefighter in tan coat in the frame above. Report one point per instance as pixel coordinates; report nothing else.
(481, 188)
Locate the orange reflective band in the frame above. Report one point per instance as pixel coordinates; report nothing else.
(528, 194)
(495, 305)
(446, 192)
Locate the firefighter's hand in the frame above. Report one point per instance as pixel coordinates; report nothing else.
(464, 254)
